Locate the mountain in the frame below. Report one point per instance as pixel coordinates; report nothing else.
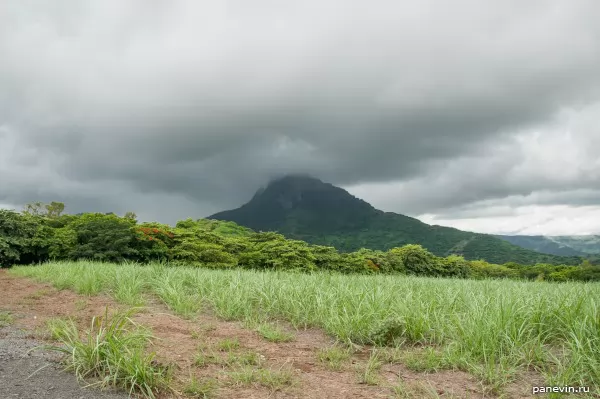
(305, 208)
(587, 244)
(558, 245)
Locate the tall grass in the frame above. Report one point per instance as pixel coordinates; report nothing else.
(112, 351)
(485, 326)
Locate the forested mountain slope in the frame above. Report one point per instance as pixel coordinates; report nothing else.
(306, 208)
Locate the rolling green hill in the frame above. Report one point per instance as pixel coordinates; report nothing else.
(305, 208)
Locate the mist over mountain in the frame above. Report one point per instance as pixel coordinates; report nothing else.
(584, 245)
(306, 208)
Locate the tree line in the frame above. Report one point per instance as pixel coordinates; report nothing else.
(42, 232)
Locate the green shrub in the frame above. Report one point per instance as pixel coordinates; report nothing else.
(417, 260)
(583, 273)
(389, 332)
(453, 266)
(104, 238)
(278, 254)
(480, 269)
(16, 232)
(327, 258)
(43, 234)
(113, 351)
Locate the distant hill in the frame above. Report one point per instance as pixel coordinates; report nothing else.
(308, 209)
(558, 245)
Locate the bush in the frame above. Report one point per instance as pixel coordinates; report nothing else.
(16, 232)
(113, 350)
(43, 234)
(453, 266)
(417, 260)
(278, 254)
(389, 332)
(583, 273)
(480, 269)
(395, 262)
(104, 238)
(327, 258)
(153, 241)
(361, 261)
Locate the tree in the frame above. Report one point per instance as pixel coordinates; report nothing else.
(104, 237)
(361, 261)
(395, 262)
(453, 266)
(480, 269)
(417, 260)
(62, 243)
(373, 261)
(16, 232)
(153, 241)
(130, 216)
(38, 246)
(35, 209)
(278, 254)
(327, 258)
(582, 273)
(265, 236)
(54, 209)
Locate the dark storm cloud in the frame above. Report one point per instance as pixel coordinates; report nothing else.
(190, 106)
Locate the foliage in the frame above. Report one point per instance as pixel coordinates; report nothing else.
(130, 216)
(112, 350)
(277, 253)
(62, 243)
(417, 260)
(307, 209)
(52, 210)
(16, 232)
(153, 241)
(196, 245)
(327, 258)
(480, 269)
(33, 237)
(389, 332)
(453, 266)
(103, 237)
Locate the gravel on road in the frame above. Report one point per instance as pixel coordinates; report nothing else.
(30, 373)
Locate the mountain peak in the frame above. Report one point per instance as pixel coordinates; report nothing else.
(289, 191)
(294, 182)
(305, 191)
(303, 207)
(296, 178)
(302, 198)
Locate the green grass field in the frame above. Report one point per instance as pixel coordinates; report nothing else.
(494, 329)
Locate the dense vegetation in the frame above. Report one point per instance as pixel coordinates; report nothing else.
(43, 233)
(497, 330)
(307, 209)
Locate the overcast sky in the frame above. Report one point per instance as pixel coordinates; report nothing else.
(479, 115)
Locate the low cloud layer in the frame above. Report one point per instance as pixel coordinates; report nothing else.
(452, 113)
